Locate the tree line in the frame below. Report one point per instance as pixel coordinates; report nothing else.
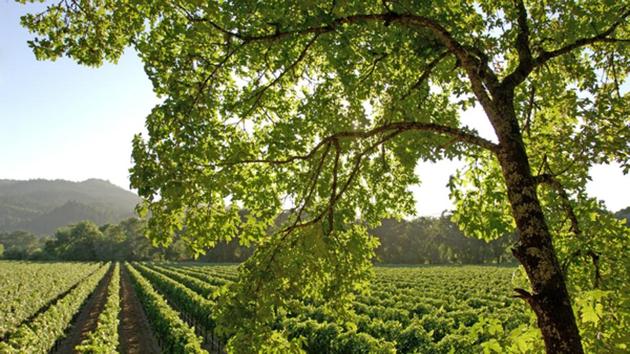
(425, 240)
(428, 240)
(86, 241)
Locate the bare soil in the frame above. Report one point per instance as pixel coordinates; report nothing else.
(135, 335)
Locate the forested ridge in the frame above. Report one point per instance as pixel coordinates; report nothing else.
(41, 206)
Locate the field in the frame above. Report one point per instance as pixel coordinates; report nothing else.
(148, 308)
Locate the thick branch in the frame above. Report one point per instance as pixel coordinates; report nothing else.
(457, 134)
(477, 73)
(601, 37)
(522, 40)
(525, 295)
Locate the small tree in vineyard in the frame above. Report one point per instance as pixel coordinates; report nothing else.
(327, 106)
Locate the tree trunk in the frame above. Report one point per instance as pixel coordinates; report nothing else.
(549, 298)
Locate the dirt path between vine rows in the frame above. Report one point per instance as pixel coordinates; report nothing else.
(135, 335)
(86, 320)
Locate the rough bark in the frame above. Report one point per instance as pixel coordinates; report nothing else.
(549, 297)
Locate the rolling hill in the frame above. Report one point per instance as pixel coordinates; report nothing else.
(41, 206)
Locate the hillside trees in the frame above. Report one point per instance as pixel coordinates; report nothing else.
(21, 244)
(328, 105)
(85, 241)
(428, 240)
(76, 242)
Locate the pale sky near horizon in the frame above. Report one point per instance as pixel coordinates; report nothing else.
(60, 120)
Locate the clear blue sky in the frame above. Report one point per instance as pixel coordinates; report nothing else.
(62, 120)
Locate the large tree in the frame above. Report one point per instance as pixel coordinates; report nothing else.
(327, 106)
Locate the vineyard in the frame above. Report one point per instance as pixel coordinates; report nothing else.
(84, 308)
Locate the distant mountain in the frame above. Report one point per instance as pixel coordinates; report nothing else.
(41, 206)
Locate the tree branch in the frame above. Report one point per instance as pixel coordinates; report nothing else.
(296, 224)
(458, 134)
(557, 186)
(527, 64)
(261, 91)
(373, 67)
(333, 188)
(313, 184)
(522, 38)
(203, 84)
(531, 105)
(601, 37)
(478, 72)
(523, 294)
(426, 73)
(336, 196)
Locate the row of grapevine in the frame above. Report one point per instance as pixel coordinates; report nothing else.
(104, 338)
(174, 335)
(206, 275)
(185, 299)
(41, 334)
(195, 309)
(202, 287)
(26, 289)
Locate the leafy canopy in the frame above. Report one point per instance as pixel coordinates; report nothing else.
(326, 107)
